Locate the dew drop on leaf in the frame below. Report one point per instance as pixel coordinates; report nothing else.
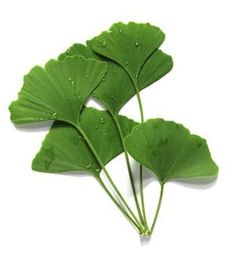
(112, 97)
(54, 115)
(137, 44)
(88, 166)
(126, 62)
(102, 120)
(104, 44)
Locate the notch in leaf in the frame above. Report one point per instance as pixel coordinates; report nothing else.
(64, 148)
(57, 91)
(170, 152)
(117, 87)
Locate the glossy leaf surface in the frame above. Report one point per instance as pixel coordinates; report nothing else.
(170, 151)
(57, 91)
(64, 148)
(131, 45)
(117, 87)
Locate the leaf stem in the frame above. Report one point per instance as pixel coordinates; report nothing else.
(116, 120)
(158, 208)
(107, 175)
(142, 196)
(141, 167)
(118, 205)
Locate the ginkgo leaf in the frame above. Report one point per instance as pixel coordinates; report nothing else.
(131, 45)
(57, 91)
(170, 151)
(64, 148)
(117, 87)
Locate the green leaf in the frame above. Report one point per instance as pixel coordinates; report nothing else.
(57, 91)
(117, 87)
(64, 148)
(131, 46)
(170, 151)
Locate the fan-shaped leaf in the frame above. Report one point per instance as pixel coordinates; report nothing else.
(58, 91)
(64, 148)
(170, 151)
(129, 44)
(117, 87)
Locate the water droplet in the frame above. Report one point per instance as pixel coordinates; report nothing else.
(120, 30)
(53, 115)
(137, 44)
(112, 97)
(126, 62)
(102, 120)
(68, 51)
(79, 136)
(96, 126)
(104, 44)
(69, 79)
(41, 118)
(87, 76)
(72, 82)
(97, 170)
(103, 79)
(88, 166)
(136, 75)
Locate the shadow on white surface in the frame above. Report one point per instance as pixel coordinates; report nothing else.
(149, 177)
(35, 127)
(200, 184)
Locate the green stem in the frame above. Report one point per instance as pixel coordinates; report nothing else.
(116, 120)
(107, 175)
(158, 208)
(118, 205)
(141, 168)
(142, 196)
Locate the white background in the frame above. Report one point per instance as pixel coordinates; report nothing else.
(64, 226)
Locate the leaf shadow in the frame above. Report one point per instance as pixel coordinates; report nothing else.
(149, 177)
(196, 183)
(35, 127)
